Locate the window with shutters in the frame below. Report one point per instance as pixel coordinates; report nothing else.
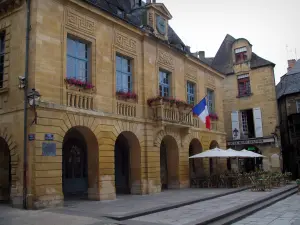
(247, 125)
(124, 74)
(244, 87)
(298, 106)
(190, 89)
(240, 55)
(2, 54)
(164, 83)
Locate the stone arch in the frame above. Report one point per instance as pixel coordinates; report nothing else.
(128, 159)
(169, 163)
(80, 155)
(196, 166)
(6, 141)
(162, 133)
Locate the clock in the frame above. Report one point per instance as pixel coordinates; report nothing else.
(161, 24)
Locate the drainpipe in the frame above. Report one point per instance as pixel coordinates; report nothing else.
(25, 104)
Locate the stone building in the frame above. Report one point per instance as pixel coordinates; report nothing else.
(250, 105)
(288, 97)
(105, 123)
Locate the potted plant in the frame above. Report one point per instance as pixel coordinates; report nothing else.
(79, 83)
(126, 95)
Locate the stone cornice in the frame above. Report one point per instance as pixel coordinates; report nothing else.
(8, 6)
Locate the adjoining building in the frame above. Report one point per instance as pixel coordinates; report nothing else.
(250, 106)
(288, 97)
(117, 85)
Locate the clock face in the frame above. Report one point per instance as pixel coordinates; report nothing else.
(161, 25)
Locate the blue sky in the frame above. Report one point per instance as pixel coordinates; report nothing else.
(272, 27)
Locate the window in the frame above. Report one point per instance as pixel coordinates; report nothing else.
(2, 54)
(124, 74)
(164, 84)
(77, 59)
(210, 101)
(244, 87)
(190, 89)
(298, 106)
(240, 54)
(247, 124)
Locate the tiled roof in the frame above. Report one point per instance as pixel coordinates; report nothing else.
(290, 82)
(223, 59)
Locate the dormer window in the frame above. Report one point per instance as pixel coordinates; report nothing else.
(240, 54)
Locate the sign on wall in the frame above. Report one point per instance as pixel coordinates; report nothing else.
(48, 149)
(49, 137)
(31, 137)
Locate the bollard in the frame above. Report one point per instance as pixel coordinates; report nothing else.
(298, 184)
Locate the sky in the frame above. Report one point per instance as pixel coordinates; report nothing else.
(271, 26)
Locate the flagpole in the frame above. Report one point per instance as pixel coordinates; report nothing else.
(190, 111)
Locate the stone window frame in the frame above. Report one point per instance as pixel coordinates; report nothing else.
(129, 74)
(87, 59)
(169, 85)
(5, 27)
(195, 91)
(171, 70)
(92, 46)
(243, 78)
(116, 50)
(214, 100)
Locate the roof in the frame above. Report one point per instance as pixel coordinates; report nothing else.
(223, 59)
(134, 15)
(290, 82)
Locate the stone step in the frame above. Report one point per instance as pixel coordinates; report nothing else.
(169, 206)
(239, 212)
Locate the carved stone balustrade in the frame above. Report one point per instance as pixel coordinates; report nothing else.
(80, 100)
(126, 109)
(171, 114)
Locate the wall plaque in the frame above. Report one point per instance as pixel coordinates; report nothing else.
(49, 149)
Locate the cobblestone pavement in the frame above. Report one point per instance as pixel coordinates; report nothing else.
(285, 212)
(132, 203)
(193, 212)
(90, 212)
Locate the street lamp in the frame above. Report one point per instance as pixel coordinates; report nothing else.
(33, 98)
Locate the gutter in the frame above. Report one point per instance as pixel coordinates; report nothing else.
(25, 166)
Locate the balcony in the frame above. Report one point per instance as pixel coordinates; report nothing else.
(171, 112)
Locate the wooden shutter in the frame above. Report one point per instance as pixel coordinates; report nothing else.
(236, 134)
(257, 122)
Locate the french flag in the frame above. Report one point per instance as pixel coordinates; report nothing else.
(202, 112)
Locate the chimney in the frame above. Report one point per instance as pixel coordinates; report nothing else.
(291, 64)
(201, 54)
(148, 1)
(188, 48)
(153, 1)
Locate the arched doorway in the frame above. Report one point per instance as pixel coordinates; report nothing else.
(252, 164)
(127, 164)
(213, 162)
(169, 163)
(5, 171)
(80, 160)
(196, 167)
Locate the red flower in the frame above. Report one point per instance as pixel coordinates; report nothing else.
(75, 82)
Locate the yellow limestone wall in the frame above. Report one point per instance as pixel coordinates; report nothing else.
(101, 123)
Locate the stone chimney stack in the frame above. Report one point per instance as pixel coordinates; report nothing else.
(201, 54)
(291, 64)
(148, 1)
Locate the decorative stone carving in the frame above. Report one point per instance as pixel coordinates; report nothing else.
(150, 19)
(82, 23)
(125, 42)
(191, 73)
(211, 79)
(165, 58)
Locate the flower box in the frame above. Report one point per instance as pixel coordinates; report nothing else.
(122, 95)
(213, 116)
(169, 101)
(79, 83)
